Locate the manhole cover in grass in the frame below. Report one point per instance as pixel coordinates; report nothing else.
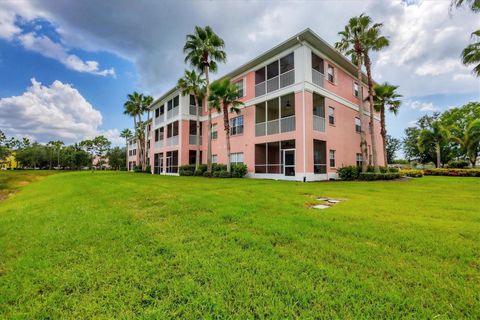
(325, 203)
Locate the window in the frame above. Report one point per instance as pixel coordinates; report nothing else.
(236, 126)
(355, 89)
(214, 158)
(172, 129)
(331, 115)
(157, 134)
(192, 100)
(260, 75)
(239, 85)
(236, 158)
(331, 156)
(287, 63)
(272, 70)
(317, 63)
(359, 159)
(192, 157)
(277, 72)
(330, 74)
(214, 131)
(157, 112)
(176, 101)
(358, 125)
(162, 109)
(318, 105)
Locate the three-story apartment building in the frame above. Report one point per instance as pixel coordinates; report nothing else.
(300, 120)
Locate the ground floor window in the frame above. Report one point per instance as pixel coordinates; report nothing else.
(158, 163)
(359, 159)
(214, 158)
(275, 157)
(171, 161)
(131, 165)
(192, 157)
(331, 156)
(236, 158)
(319, 157)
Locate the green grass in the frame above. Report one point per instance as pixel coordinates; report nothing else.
(123, 245)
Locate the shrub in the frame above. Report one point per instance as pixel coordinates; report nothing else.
(198, 173)
(137, 169)
(239, 170)
(348, 173)
(219, 167)
(202, 168)
(215, 174)
(452, 172)
(459, 164)
(148, 169)
(224, 174)
(186, 170)
(207, 174)
(412, 173)
(370, 176)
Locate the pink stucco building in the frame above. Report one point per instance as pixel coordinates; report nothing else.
(300, 120)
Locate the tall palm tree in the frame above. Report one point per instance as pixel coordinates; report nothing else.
(145, 107)
(386, 97)
(224, 94)
(470, 141)
(203, 50)
(194, 84)
(372, 41)
(471, 54)
(134, 107)
(351, 44)
(474, 5)
(435, 135)
(127, 135)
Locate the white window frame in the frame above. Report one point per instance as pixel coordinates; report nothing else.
(236, 158)
(329, 66)
(214, 158)
(358, 159)
(234, 128)
(358, 125)
(331, 156)
(331, 115)
(214, 131)
(356, 89)
(243, 87)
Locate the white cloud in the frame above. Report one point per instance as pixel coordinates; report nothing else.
(53, 112)
(422, 106)
(46, 47)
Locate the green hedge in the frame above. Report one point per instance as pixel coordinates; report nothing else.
(452, 172)
(412, 173)
(218, 171)
(458, 164)
(370, 176)
(349, 173)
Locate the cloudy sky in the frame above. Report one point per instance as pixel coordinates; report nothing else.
(67, 66)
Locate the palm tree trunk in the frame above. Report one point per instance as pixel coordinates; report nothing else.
(197, 154)
(437, 149)
(372, 113)
(226, 126)
(383, 132)
(363, 140)
(209, 147)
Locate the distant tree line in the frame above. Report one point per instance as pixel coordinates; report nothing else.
(57, 155)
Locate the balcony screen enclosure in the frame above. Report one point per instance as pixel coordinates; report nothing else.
(275, 157)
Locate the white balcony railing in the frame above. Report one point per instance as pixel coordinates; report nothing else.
(282, 125)
(192, 139)
(275, 83)
(318, 123)
(173, 112)
(158, 144)
(193, 110)
(160, 119)
(172, 141)
(318, 78)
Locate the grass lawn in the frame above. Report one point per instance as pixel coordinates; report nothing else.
(124, 245)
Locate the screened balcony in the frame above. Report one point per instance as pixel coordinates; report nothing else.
(275, 158)
(173, 107)
(276, 75)
(193, 108)
(318, 113)
(275, 116)
(318, 77)
(192, 138)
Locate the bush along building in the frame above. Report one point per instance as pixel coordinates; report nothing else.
(300, 118)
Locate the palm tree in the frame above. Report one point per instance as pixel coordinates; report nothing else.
(435, 135)
(194, 84)
(372, 41)
(351, 44)
(473, 4)
(203, 50)
(386, 97)
(127, 135)
(470, 141)
(471, 54)
(224, 94)
(135, 107)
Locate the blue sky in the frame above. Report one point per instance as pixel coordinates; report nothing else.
(85, 60)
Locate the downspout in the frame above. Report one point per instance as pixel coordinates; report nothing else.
(303, 115)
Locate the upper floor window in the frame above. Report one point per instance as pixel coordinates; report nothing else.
(275, 75)
(239, 85)
(236, 125)
(173, 103)
(331, 156)
(355, 89)
(214, 131)
(358, 125)
(214, 158)
(318, 105)
(359, 159)
(157, 134)
(287, 63)
(172, 129)
(157, 112)
(161, 133)
(331, 115)
(317, 63)
(331, 74)
(236, 158)
(193, 101)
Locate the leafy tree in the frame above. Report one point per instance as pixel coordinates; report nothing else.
(116, 158)
(436, 135)
(203, 49)
(224, 94)
(471, 54)
(135, 106)
(351, 44)
(392, 146)
(470, 141)
(386, 98)
(194, 84)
